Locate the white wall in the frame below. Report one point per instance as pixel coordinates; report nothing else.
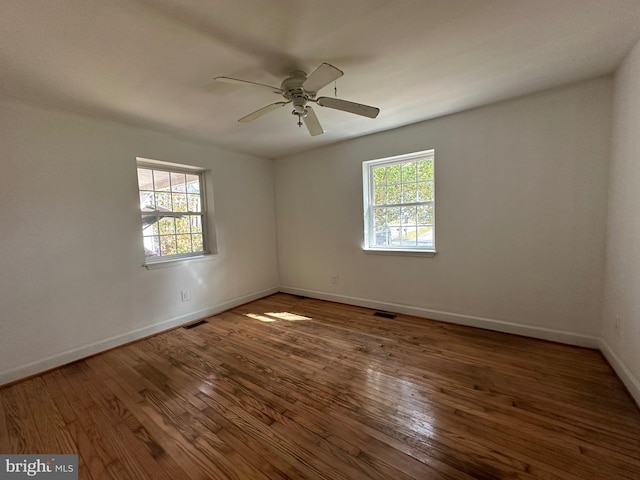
(621, 312)
(521, 191)
(521, 207)
(71, 280)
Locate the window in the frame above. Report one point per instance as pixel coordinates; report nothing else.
(173, 210)
(399, 203)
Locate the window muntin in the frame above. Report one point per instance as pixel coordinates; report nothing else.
(173, 211)
(399, 202)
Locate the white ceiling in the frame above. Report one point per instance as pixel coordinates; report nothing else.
(152, 62)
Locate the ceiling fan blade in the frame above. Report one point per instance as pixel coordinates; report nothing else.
(351, 107)
(321, 76)
(312, 123)
(258, 113)
(237, 81)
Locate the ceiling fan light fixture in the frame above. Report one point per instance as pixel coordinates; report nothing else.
(299, 106)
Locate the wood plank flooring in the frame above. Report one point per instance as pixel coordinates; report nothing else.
(294, 388)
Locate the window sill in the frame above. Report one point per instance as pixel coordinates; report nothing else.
(174, 262)
(404, 252)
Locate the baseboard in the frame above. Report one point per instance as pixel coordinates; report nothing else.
(624, 373)
(560, 336)
(57, 360)
(629, 379)
(63, 358)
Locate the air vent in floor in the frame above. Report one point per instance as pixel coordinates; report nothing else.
(194, 325)
(385, 315)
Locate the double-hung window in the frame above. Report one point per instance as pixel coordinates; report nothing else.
(399, 203)
(173, 211)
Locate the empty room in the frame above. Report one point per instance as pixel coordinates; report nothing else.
(277, 239)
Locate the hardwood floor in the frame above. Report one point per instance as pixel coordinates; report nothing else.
(287, 387)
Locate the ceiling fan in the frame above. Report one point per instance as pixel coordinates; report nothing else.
(299, 90)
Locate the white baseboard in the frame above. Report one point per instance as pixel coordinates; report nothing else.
(629, 379)
(560, 336)
(57, 360)
(624, 373)
(85, 351)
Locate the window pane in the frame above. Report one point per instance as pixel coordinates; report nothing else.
(425, 170)
(425, 236)
(147, 201)
(409, 235)
(184, 243)
(380, 195)
(394, 174)
(149, 225)
(182, 225)
(196, 224)
(425, 191)
(197, 244)
(409, 215)
(382, 236)
(379, 217)
(168, 245)
(394, 194)
(151, 246)
(425, 214)
(393, 216)
(380, 175)
(194, 203)
(161, 180)
(395, 236)
(163, 201)
(178, 182)
(409, 194)
(193, 184)
(408, 172)
(179, 202)
(145, 179)
(166, 225)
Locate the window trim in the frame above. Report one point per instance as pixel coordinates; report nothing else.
(367, 195)
(177, 259)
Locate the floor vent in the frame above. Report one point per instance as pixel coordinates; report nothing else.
(301, 297)
(385, 315)
(194, 325)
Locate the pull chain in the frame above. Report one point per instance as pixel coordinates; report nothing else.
(335, 89)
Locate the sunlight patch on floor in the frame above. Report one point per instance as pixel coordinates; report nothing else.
(273, 316)
(262, 318)
(290, 317)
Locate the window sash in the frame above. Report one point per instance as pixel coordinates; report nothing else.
(393, 205)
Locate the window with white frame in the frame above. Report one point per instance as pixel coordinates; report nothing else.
(173, 209)
(399, 203)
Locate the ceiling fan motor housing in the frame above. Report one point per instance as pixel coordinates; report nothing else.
(293, 91)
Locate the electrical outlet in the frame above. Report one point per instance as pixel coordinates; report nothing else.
(185, 295)
(335, 279)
